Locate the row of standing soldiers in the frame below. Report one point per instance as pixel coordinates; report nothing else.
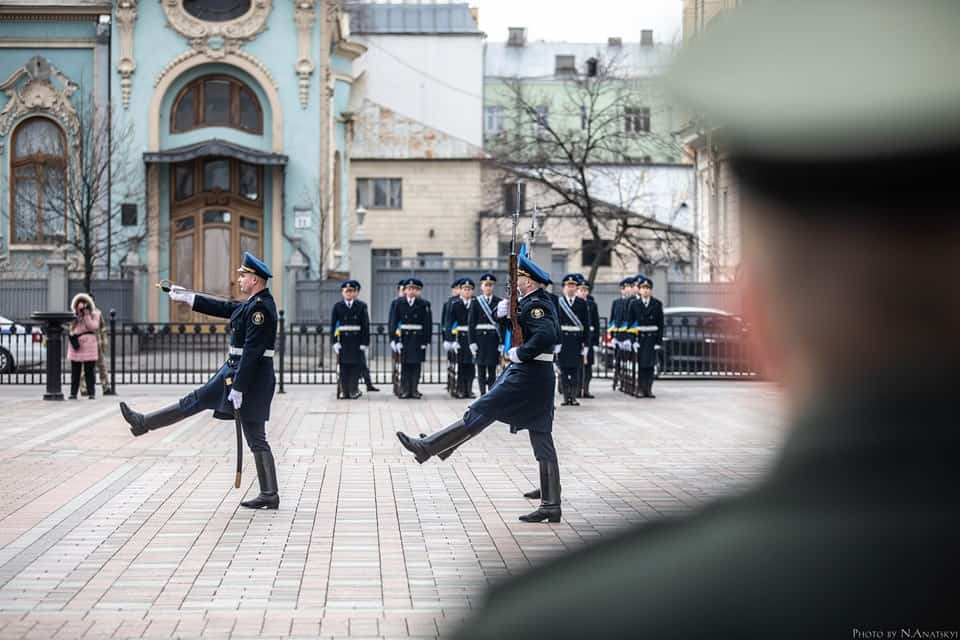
(636, 335)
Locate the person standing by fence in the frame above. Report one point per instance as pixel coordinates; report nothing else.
(646, 329)
(102, 347)
(411, 330)
(82, 352)
(593, 312)
(486, 342)
(350, 327)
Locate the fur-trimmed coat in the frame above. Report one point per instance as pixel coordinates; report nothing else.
(86, 325)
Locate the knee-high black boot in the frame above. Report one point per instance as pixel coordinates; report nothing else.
(269, 497)
(436, 444)
(140, 423)
(550, 489)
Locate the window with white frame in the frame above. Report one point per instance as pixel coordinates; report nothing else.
(38, 183)
(636, 119)
(493, 119)
(379, 193)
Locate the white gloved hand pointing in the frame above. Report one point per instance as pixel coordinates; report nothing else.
(179, 294)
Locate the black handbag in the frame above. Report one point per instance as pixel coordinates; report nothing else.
(74, 341)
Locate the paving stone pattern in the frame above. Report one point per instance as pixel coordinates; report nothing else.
(103, 535)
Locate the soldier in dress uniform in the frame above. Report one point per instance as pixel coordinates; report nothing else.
(574, 338)
(364, 366)
(450, 348)
(412, 331)
(613, 330)
(841, 126)
(244, 383)
(593, 312)
(459, 323)
(522, 396)
(486, 341)
(646, 332)
(350, 328)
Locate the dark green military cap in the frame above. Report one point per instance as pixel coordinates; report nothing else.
(827, 80)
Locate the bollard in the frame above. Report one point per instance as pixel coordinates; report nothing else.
(53, 322)
(113, 352)
(282, 348)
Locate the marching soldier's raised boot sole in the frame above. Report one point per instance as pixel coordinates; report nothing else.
(140, 423)
(436, 444)
(413, 446)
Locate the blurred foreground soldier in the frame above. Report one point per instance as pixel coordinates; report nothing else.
(645, 317)
(593, 312)
(574, 338)
(522, 397)
(486, 341)
(844, 135)
(412, 330)
(244, 383)
(350, 328)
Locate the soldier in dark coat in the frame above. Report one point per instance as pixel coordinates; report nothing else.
(646, 332)
(486, 340)
(401, 285)
(522, 396)
(412, 331)
(244, 383)
(574, 338)
(459, 322)
(365, 376)
(614, 330)
(450, 346)
(844, 173)
(350, 328)
(593, 312)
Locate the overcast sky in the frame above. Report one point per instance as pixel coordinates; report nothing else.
(590, 21)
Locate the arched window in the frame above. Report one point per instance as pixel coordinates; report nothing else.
(216, 101)
(38, 181)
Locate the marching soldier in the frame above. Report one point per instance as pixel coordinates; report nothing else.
(350, 328)
(486, 342)
(459, 319)
(593, 313)
(574, 338)
(450, 347)
(412, 330)
(244, 383)
(646, 330)
(522, 397)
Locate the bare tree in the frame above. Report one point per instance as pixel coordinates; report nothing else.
(78, 192)
(583, 154)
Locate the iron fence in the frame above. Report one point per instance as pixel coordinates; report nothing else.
(188, 353)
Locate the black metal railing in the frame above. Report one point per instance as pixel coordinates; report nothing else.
(188, 353)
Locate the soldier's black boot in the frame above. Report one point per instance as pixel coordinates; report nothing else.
(436, 443)
(550, 488)
(140, 423)
(269, 497)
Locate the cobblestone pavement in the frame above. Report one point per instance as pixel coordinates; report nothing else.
(103, 535)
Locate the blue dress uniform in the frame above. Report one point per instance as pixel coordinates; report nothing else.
(459, 319)
(574, 337)
(390, 335)
(485, 333)
(448, 337)
(248, 370)
(646, 331)
(350, 328)
(593, 312)
(412, 329)
(522, 397)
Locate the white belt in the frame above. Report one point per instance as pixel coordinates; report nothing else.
(648, 328)
(238, 351)
(349, 327)
(489, 327)
(570, 328)
(545, 357)
(410, 327)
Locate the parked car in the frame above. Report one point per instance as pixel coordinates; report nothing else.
(698, 340)
(20, 348)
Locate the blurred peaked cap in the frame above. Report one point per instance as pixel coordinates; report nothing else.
(827, 79)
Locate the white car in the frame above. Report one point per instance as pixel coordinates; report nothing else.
(19, 348)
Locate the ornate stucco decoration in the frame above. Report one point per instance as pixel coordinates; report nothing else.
(304, 17)
(216, 39)
(192, 53)
(126, 65)
(39, 87)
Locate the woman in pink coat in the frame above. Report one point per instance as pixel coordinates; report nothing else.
(83, 349)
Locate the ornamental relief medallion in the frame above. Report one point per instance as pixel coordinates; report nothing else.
(210, 27)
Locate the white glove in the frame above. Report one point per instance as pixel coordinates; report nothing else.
(557, 348)
(399, 346)
(336, 347)
(454, 346)
(446, 346)
(179, 294)
(236, 397)
(474, 348)
(503, 309)
(512, 354)
(657, 347)
(363, 348)
(499, 348)
(584, 351)
(636, 346)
